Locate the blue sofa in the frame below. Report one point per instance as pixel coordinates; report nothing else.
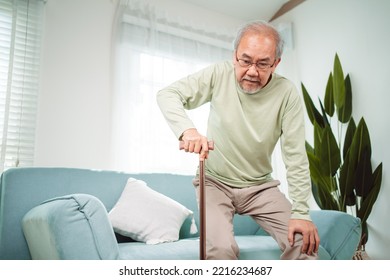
(71, 206)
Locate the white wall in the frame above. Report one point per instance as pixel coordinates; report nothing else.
(358, 31)
(74, 106)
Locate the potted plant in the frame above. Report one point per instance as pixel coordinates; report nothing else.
(340, 157)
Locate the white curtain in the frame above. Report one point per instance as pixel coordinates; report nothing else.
(20, 34)
(151, 52)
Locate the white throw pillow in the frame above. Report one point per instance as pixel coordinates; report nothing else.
(148, 216)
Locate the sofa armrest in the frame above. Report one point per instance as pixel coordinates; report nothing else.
(339, 232)
(70, 227)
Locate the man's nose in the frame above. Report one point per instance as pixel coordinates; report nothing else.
(252, 70)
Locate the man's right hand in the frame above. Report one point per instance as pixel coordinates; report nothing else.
(194, 142)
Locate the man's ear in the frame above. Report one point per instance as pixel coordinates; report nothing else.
(277, 62)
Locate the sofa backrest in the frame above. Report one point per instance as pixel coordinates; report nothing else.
(21, 189)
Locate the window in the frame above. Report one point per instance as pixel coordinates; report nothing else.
(148, 144)
(20, 29)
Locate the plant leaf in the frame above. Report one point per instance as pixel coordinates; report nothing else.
(368, 202)
(309, 148)
(312, 111)
(364, 175)
(347, 181)
(344, 113)
(321, 180)
(318, 196)
(324, 199)
(338, 83)
(324, 115)
(348, 136)
(329, 98)
(318, 131)
(330, 153)
(361, 142)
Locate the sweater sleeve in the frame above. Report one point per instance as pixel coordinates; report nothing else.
(185, 94)
(295, 157)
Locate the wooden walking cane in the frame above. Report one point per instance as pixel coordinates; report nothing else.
(202, 204)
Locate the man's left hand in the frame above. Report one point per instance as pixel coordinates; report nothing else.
(311, 239)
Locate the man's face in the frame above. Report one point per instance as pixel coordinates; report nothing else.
(259, 50)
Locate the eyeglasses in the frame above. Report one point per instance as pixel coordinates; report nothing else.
(259, 65)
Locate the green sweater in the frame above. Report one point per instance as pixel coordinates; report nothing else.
(245, 129)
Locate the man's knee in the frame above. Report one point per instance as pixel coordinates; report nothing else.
(295, 252)
(222, 251)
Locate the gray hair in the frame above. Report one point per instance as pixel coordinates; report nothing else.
(261, 27)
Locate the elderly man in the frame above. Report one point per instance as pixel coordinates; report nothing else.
(251, 108)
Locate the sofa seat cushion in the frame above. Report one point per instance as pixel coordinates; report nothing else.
(252, 247)
(183, 249)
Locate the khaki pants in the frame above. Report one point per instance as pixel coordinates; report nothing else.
(264, 203)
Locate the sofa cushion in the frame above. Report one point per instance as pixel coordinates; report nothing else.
(146, 215)
(339, 232)
(252, 247)
(72, 227)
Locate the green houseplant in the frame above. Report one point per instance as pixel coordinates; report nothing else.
(340, 157)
